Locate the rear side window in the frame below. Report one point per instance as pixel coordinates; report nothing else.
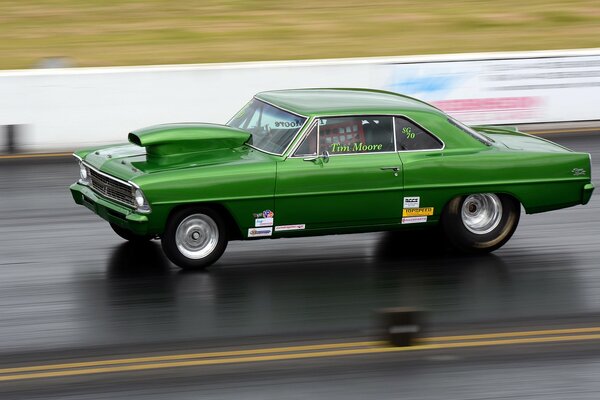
(410, 136)
(355, 135)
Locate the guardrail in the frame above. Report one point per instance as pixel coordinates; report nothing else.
(54, 109)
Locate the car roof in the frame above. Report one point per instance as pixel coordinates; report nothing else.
(315, 102)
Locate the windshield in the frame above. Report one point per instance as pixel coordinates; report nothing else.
(272, 129)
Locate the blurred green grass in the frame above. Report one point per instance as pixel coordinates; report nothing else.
(127, 32)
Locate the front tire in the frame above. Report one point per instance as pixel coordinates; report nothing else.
(130, 236)
(194, 238)
(480, 223)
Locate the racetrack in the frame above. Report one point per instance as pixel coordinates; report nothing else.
(70, 287)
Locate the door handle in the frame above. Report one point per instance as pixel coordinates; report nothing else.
(395, 169)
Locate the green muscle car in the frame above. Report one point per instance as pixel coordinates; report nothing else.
(326, 161)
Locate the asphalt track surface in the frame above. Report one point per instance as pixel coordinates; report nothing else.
(70, 289)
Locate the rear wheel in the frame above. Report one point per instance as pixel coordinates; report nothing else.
(480, 223)
(130, 236)
(194, 238)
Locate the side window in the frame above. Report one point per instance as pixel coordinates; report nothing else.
(309, 145)
(410, 136)
(353, 135)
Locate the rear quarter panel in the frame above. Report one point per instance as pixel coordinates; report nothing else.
(540, 181)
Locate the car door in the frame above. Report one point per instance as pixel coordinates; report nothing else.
(345, 173)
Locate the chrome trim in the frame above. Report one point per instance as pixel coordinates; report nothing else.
(304, 135)
(358, 154)
(137, 209)
(394, 130)
(306, 119)
(358, 115)
(425, 130)
(281, 108)
(480, 137)
(317, 119)
(135, 185)
(107, 175)
(311, 158)
(115, 179)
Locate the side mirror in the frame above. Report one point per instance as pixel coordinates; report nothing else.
(324, 157)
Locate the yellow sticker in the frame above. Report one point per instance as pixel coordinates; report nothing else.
(417, 212)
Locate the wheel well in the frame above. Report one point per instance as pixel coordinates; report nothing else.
(233, 230)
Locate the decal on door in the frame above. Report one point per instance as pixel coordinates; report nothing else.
(260, 222)
(260, 232)
(283, 228)
(414, 220)
(412, 202)
(417, 212)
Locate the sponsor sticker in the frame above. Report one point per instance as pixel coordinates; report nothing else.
(414, 220)
(282, 228)
(268, 214)
(260, 232)
(412, 202)
(259, 222)
(417, 212)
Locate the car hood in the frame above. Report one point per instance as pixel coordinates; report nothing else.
(512, 139)
(172, 146)
(128, 162)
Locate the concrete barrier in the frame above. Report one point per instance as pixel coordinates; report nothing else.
(69, 108)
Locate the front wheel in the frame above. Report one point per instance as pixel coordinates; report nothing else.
(480, 223)
(194, 238)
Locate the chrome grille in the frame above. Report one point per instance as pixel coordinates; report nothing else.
(111, 188)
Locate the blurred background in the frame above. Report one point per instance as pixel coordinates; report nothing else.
(108, 33)
(82, 73)
(115, 66)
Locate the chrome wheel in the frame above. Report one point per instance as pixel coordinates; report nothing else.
(481, 213)
(197, 236)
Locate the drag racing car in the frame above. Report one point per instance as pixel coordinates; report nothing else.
(326, 161)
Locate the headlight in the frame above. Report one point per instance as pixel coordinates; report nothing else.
(83, 174)
(140, 201)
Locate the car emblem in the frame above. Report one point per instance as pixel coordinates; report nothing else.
(578, 171)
